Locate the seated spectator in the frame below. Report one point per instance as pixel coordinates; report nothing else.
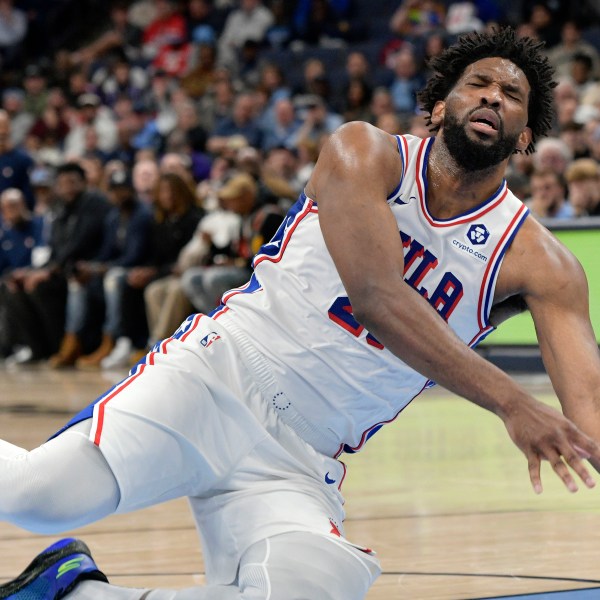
(243, 122)
(357, 100)
(415, 18)
(318, 120)
(13, 29)
(280, 32)
(13, 102)
(120, 34)
(583, 182)
(20, 231)
(201, 74)
(20, 234)
(562, 55)
(91, 114)
(125, 245)
(35, 84)
(145, 177)
(552, 154)
(118, 78)
(204, 14)
(548, 196)
(231, 265)
(167, 29)
(248, 22)
(284, 126)
(175, 220)
(391, 123)
(38, 295)
(407, 81)
(15, 164)
(325, 22)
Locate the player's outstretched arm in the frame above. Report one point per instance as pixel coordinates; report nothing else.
(356, 171)
(554, 287)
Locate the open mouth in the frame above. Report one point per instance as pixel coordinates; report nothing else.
(485, 121)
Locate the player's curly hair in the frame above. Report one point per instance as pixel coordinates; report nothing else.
(503, 43)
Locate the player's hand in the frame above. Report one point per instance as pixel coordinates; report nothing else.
(543, 433)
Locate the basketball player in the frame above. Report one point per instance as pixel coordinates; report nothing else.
(401, 255)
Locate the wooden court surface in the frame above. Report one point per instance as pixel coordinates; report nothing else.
(441, 494)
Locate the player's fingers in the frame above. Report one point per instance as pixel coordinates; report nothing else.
(573, 459)
(560, 468)
(534, 473)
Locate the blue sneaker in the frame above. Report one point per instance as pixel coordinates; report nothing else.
(54, 573)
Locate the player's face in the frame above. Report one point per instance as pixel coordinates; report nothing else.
(484, 117)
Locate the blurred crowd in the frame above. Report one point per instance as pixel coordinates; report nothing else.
(146, 155)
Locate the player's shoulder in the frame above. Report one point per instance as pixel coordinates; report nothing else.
(537, 259)
(357, 150)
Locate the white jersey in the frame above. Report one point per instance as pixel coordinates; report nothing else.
(334, 374)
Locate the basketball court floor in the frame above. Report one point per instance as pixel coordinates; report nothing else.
(441, 494)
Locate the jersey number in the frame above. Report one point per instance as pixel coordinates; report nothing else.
(340, 312)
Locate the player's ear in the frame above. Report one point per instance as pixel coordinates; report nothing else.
(524, 140)
(438, 113)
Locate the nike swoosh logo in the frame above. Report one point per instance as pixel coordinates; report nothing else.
(328, 479)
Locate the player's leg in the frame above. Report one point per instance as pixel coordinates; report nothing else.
(291, 566)
(65, 483)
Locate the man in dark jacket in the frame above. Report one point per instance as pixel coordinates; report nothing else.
(37, 300)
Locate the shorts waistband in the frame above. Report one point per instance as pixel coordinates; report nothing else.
(280, 402)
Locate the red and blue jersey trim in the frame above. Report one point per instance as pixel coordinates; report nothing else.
(474, 213)
(490, 276)
(274, 250)
(136, 372)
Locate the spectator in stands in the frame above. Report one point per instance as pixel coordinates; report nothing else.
(202, 72)
(120, 34)
(318, 121)
(50, 129)
(15, 164)
(416, 18)
(583, 181)
(13, 29)
(581, 73)
(145, 177)
(381, 103)
(117, 78)
(357, 101)
(548, 196)
(279, 175)
(553, 154)
(407, 80)
(20, 231)
(204, 14)
(167, 29)
(562, 55)
(281, 32)
(35, 84)
(248, 22)
(325, 22)
(37, 296)
(230, 265)
(242, 122)
(282, 130)
(175, 220)
(92, 114)
(217, 103)
(566, 98)
(13, 102)
(125, 245)
(20, 234)
(390, 123)
(573, 134)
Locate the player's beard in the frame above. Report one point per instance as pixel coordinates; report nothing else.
(473, 155)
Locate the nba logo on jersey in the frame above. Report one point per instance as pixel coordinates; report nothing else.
(478, 234)
(207, 340)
